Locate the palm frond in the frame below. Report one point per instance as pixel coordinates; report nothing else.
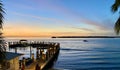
(117, 26)
(1, 14)
(115, 6)
(2, 47)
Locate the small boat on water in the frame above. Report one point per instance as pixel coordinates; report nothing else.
(85, 40)
(23, 42)
(53, 37)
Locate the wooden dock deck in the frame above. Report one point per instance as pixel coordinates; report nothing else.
(44, 60)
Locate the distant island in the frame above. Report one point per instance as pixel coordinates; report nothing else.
(85, 37)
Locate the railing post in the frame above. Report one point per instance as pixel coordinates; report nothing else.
(30, 52)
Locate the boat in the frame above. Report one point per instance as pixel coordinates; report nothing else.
(23, 42)
(53, 37)
(85, 40)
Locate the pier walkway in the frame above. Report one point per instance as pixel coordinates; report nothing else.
(43, 58)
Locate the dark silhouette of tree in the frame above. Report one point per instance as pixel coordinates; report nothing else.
(115, 8)
(2, 47)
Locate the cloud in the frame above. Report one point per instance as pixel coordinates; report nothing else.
(19, 5)
(71, 14)
(55, 7)
(54, 21)
(63, 24)
(96, 25)
(84, 29)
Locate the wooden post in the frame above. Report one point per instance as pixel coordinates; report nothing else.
(37, 53)
(30, 52)
(15, 49)
(40, 53)
(23, 63)
(47, 55)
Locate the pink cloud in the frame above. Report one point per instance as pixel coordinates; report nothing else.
(75, 16)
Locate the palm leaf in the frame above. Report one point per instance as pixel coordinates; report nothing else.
(117, 26)
(1, 14)
(2, 47)
(115, 6)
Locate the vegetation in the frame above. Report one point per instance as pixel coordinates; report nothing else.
(2, 47)
(115, 8)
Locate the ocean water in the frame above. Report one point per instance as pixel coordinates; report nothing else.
(75, 54)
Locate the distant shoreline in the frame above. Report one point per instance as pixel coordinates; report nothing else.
(85, 37)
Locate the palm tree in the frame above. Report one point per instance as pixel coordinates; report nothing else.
(114, 8)
(2, 48)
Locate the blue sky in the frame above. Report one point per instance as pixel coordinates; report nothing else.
(58, 17)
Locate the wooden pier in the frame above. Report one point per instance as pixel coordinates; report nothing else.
(46, 54)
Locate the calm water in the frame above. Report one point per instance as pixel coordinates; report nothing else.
(75, 54)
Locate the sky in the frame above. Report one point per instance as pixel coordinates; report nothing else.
(45, 18)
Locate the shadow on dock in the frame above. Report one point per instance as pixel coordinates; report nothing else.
(50, 64)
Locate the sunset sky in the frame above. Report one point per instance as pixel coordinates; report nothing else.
(58, 18)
